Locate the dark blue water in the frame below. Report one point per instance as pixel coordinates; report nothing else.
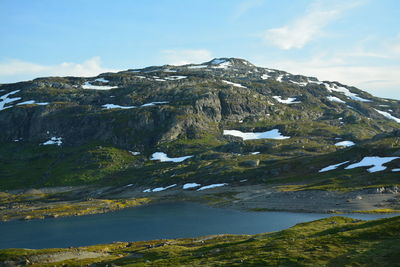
(159, 221)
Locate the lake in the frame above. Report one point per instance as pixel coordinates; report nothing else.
(158, 221)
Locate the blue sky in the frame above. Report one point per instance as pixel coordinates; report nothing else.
(355, 42)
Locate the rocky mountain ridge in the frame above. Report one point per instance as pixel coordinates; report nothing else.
(96, 129)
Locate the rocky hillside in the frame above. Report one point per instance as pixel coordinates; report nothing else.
(223, 121)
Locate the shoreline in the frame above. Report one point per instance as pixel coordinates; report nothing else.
(39, 204)
(322, 240)
(162, 216)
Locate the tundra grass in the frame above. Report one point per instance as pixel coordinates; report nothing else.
(66, 208)
(334, 241)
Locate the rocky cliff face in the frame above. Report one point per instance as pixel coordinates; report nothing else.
(185, 109)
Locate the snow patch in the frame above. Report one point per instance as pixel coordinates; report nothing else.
(175, 77)
(395, 170)
(272, 134)
(134, 153)
(30, 102)
(265, 76)
(255, 153)
(169, 70)
(388, 115)
(161, 156)
(220, 63)
(332, 167)
(5, 100)
(113, 106)
(224, 65)
(88, 85)
(234, 84)
(101, 80)
(190, 185)
(54, 141)
(345, 143)
(299, 83)
(158, 189)
(279, 78)
(197, 67)
(376, 162)
(290, 100)
(345, 91)
(335, 99)
(210, 186)
(154, 103)
(314, 81)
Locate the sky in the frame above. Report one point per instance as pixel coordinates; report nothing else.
(355, 42)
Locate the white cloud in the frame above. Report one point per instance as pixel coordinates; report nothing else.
(392, 47)
(15, 70)
(186, 56)
(374, 48)
(307, 28)
(383, 81)
(245, 6)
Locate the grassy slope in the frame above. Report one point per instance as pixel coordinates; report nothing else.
(291, 161)
(34, 206)
(37, 166)
(336, 241)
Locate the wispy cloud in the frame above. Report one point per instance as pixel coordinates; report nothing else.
(15, 70)
(185, 56)
(308, 27)
(375, 48)
(383, 81)
(245, 6)
(392, 47)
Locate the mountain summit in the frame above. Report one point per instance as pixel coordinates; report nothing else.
(225, 120)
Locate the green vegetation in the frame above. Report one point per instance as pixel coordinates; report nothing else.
(295, 162)
(37, 205)
(30, 166)
(377, 211)
(335, 241)
(301, 178)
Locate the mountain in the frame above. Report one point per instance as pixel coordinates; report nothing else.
(225, 121)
